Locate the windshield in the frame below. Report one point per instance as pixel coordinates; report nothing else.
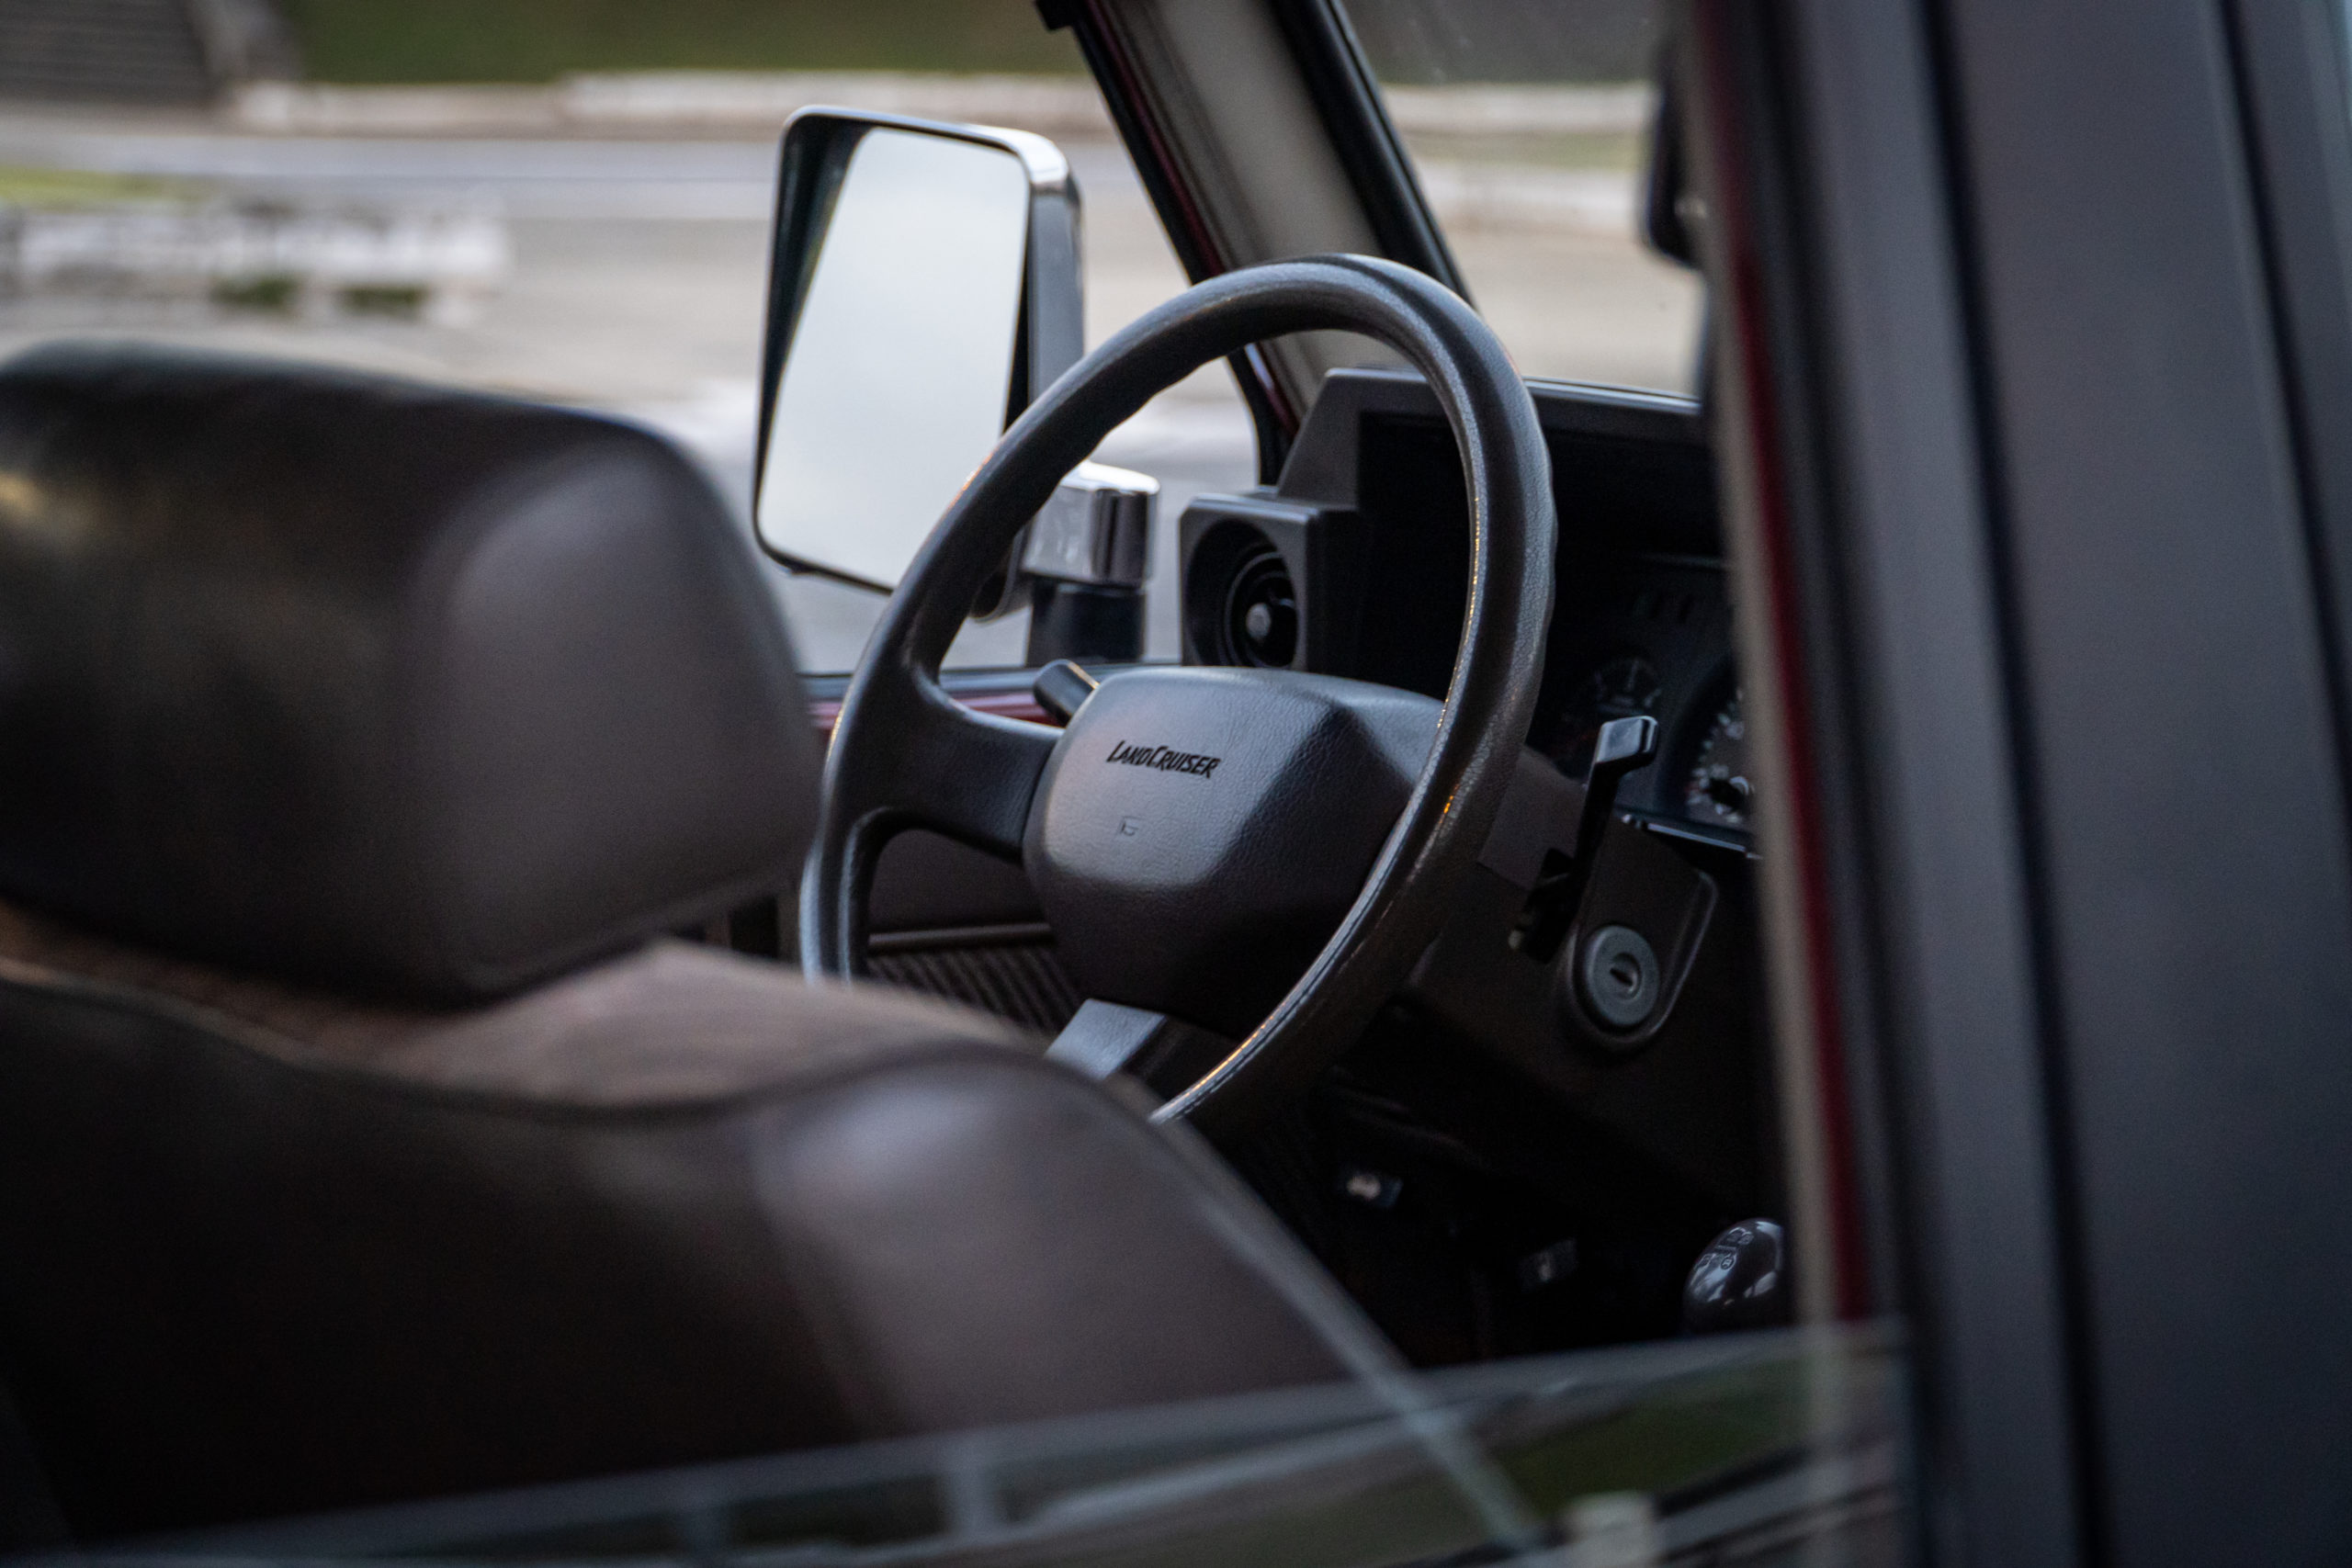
(532, 196)
(1528, 122)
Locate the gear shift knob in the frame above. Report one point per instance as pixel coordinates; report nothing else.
(1741, 1281)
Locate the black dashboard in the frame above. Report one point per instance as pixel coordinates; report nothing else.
(1356, 564)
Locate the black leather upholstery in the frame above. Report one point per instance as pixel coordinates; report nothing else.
(402, 689)
(330, 708)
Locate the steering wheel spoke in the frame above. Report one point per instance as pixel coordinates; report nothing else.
(969, 775)
(1166, 1054)
(918, 759)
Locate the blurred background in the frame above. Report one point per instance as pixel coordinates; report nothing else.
(568, 199)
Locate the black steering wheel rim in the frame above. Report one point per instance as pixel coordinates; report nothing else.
(905, 754)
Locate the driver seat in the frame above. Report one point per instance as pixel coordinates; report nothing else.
(362, 1135)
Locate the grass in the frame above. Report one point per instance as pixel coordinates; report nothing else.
(271, 293)
(77, 187)
(539, 41)
(1623, 150)
(400, 301)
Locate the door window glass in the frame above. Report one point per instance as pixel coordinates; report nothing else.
(1746, 1452)
(1528, 122)
(510, 204)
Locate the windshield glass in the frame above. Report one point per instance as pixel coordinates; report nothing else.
(1528, 123)
(560, 201)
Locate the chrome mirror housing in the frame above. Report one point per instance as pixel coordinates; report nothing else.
(1096, 530)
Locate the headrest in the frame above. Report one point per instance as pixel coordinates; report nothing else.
(391, 687)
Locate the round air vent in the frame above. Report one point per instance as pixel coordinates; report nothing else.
(1259, 625)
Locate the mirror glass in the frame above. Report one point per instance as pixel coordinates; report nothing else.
(895, 384)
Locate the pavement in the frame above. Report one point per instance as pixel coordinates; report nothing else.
(636, 285)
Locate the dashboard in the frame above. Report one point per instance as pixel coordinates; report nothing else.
(1356, 564)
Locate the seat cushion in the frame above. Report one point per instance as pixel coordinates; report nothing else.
(272, 1252)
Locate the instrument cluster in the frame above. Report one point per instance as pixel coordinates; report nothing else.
(1652, 634)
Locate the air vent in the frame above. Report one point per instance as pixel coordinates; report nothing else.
(1259, 622)
(1261, 577)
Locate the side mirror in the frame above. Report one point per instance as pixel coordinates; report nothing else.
(924, 285)
(1671, 210)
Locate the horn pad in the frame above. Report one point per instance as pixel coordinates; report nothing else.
(1199, 833)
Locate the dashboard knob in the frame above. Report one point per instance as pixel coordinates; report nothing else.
(1741, 1281)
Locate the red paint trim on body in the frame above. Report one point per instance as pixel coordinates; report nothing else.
(825, 712)
(1783, 630)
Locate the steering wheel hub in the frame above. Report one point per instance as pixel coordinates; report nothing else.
(1199, 833)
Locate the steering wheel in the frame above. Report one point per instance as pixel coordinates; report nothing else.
(1260, 854)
